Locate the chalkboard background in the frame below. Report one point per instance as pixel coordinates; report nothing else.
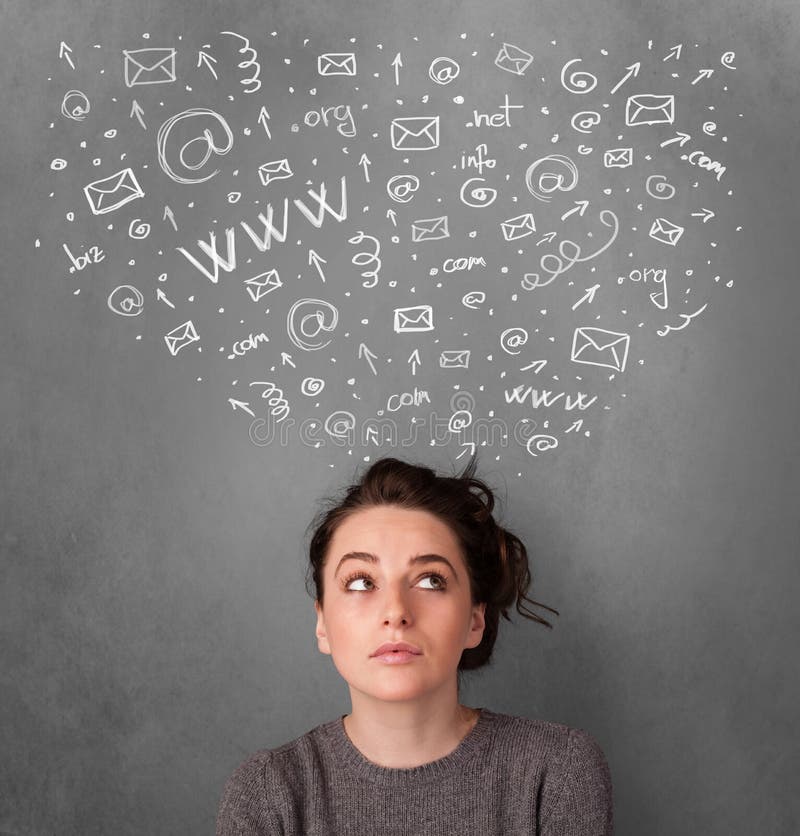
(633, 396)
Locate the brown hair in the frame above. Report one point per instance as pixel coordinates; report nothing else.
(496, 559)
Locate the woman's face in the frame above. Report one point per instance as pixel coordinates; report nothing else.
(396, 575)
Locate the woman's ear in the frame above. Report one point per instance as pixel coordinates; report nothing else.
(322, 636)
(477, 625)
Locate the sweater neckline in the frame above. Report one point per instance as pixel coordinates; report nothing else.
(346, 754)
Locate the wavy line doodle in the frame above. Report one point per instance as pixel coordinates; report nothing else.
(250, 61)
(364, 259)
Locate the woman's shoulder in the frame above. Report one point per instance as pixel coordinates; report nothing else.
(542, 733)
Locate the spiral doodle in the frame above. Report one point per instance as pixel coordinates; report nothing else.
(58, 164)
(462, 401)
(402, 187)
(513, 338)
(75, 105)
(279, 406)
(542, 443)
(585, 121)
(126, 300)
(341, 425)
(480, 196)
(579, 81)
(710, 128)
(443, 70)
(250, 61)
(727, 60)
(662, 190)
(312, 386)
(459, 421)
(138, 229)
(363, 259)
(551, 181)
(473, 299)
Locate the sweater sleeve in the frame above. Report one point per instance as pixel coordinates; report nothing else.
(581, 802)
(244, 809)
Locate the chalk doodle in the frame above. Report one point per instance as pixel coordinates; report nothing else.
(514, 239)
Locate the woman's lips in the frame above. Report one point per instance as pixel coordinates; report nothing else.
(396, 657)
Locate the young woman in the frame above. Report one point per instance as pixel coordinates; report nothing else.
(411, 574)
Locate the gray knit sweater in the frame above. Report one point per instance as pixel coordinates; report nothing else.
(509, 776)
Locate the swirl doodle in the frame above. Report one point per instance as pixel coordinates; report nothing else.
(480, 196)
(206, 137)
(658, 187)
(513, 338)
(549, 181)
(585, 121)
(250, 61)
(402, 187)
(473, 299)
(303, 335)
(579, 81)
(727, 60)
(312, 386)
(443, 70)
(126, 300)
(710, 128)
(364, 259)
(279, 406)
(541, 443)
(75, 105)
(565, 259)
(462, 401)
(138, 229)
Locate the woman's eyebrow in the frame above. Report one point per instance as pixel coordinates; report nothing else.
(420, 558)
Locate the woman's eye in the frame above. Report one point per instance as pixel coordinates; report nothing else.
(350, 583)
(435, 581)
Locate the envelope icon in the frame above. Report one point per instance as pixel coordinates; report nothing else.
(598, 347)
(665, 232)
(180, 337)
(646, 109)
(415, 133)
(518, 227)
(419, 318)
(337, 63)
(110, 193)
(512, 59)
(259, 286)
(618, 157)
(149, 66)
(276, 170)
(429, 229)
(454, 359)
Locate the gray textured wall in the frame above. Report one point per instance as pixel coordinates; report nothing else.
(154, 625)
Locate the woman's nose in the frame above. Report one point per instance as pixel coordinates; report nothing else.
(396, 610)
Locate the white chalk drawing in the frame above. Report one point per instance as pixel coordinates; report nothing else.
(513, 59)
(259, 286)
(454, 359)
(308, 319)
(665, 231)
(443, 70)
(274, 170)
(415, 133)
(180, 337)
(579, 81)
(599, 347)
(478, 197)
(364, 259)
(402, 187)
(336, 63)
(618, 158)
(252, 83)
(519, 227)
(415, 318)
(206, 138)
(512, 339)
(75, 105)
(569, 253)
(585, 121)
(149, 66)
(113, 191)
(429, 229)
(649, 109)
(126, 300)
(685, 320)
(316, 134)
(553, 173)
(658, 187)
